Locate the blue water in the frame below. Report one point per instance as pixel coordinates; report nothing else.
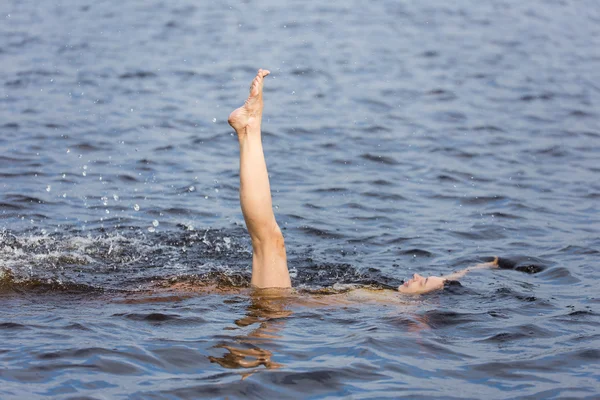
(400, 137)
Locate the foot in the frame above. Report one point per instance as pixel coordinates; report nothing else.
(250, 114)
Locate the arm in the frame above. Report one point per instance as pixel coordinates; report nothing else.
(459, 274)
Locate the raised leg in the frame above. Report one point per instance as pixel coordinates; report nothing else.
(269, 262)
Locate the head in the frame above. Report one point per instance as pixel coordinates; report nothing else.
(419, 284)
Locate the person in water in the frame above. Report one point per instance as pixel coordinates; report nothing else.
(269, 261)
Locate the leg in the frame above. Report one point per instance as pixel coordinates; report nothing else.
(269, 263)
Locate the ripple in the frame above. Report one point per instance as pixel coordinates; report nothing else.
(379, 159)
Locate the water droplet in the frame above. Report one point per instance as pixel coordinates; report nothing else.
(155, 223)
(191, 188)
(214, 120)
(68, 150)
(84, 173)
(64, 176)
(151, 229)
(108, 212)
(136, 207)
(64, 195)
(116, 197)
(48, 188)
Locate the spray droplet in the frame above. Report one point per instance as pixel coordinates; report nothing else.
(191, 188)
(116, 197)
(136, 207)
(155, 223)
(48, 188)
(214, 120)
(151, 229)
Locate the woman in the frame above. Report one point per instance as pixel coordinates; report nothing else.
(269, 263)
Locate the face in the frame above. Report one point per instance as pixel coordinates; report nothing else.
(419, 284)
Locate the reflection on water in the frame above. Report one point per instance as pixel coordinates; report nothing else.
(268, 310)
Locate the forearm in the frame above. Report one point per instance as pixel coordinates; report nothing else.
(255, 190)
(459, 274)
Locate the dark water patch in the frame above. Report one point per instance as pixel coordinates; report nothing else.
(312, 206)
(449, 116)
(11, 125)
(440, 319)
(478, 200)
(487, 128)
(330, 190)
(442, 95)
(373, 105)
(580, 318)
(398, 240)
(552, 151)
(23, 199)
(381, 182)
(532, 97)
(502, 215)
(10, 206)
(127, 178)
(12, 326)
(578, 250)
(321, 233)
(430, 54)
(582, 114)
(559, 275)
(379, 159)
(447, 178)
(375, 129)
(162, 318)
(454, 152)
(582, 313)
(384, 196)
(516, 333)
(416, 253)
(138, 75)
(339, 161)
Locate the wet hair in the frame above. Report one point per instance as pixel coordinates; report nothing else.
(529, 265)
(449, 283)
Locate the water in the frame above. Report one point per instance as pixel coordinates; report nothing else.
(400, 138)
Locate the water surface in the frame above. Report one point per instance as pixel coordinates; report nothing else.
(400, 137)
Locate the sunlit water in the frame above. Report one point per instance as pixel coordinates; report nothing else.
(400, 137)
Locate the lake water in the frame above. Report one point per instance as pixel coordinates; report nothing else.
(400, 137)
